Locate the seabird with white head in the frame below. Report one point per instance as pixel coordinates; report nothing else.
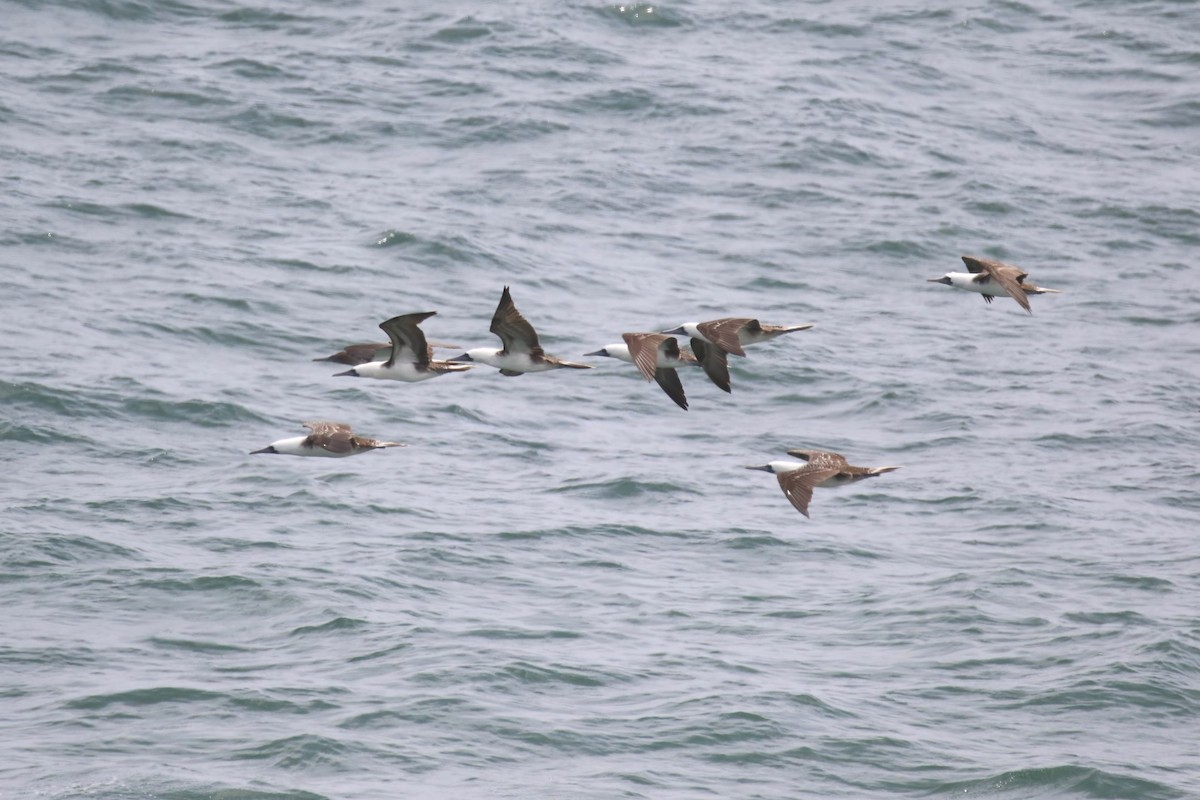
(818, 468)
(993, 278)
(657, 356)
(328, 440)
(731, 334)
(521, 352)
(410, 359)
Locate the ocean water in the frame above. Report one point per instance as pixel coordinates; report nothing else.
(565, 586)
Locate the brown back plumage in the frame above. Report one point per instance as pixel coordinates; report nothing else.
(1010, 278)
(337, 437)
(821, 465)
(724, 333)
(355, 354)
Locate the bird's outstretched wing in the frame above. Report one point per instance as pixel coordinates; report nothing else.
(715, 362)
(515, 332)
(1007, 276)
(643, 349)
(798, 484)
(724, 333)
(408, 340)
(668, 380)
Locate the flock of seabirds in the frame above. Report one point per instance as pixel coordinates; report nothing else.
(408, 357)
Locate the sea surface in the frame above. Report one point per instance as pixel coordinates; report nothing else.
(565, 586)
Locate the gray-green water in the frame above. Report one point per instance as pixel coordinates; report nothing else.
(566, 587)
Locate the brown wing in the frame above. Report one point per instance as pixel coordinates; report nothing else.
(668, 380)
(714, 361)
(1006, 275)
(335, 437)
(798, 485)
(341, 442)
(821, 459)
(408, 341)
(355, 354)
(515, 332)
(1010, 278)
(724, 333)
(643, 349)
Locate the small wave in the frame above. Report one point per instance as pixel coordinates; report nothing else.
(255, 70)
(587, 532)
(196, 646)
(205, 414)
(300, 752)
(332, 626)
(1068, 781)
(649, 15)
(465, 30)
(146, 697)
(513, 633)
(472, 131)
(526, 672)
(621, 488)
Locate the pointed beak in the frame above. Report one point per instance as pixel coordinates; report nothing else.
(763, 467)
(349, 372)
(603, 351)
(463, 357)
(268, 449)
(942, 279)
(675, 331)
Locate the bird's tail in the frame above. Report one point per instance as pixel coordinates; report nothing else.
(450, 366)
(575, 365)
